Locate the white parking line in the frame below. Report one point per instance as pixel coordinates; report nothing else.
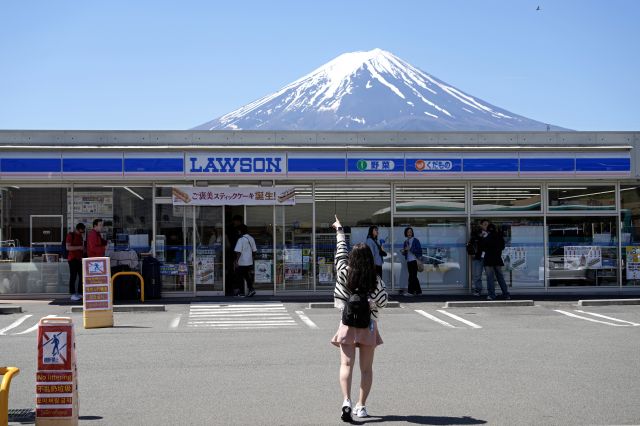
(34, 328)
(462, 320)
(432, 318)
(14, 324)
(569, 314)
(609, 318)
(176, 321)
(305, 319)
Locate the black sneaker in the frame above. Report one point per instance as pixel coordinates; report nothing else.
(476, 293)
(507, 297)
(251, 293)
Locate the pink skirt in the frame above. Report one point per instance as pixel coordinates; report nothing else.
(357, 336)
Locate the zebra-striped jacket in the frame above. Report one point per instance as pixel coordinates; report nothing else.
(341, 292)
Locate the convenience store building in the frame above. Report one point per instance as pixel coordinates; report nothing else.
(568, 204)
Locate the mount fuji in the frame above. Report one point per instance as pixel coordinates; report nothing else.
(372, 90)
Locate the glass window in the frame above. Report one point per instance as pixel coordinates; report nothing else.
(444, 255)
(294, 247)
(410, 198)
(32, 231)
(630, 233)
(132, 219)
(358, 207)
(209, 244)
(591, 198)
(259, 220)
(506, 198)
(174, 246)
(582, 251)
(523, 256)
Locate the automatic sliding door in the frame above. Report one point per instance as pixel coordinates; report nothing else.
(174, 246)
(259, 220)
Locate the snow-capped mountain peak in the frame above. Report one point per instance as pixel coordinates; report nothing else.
(371, 90)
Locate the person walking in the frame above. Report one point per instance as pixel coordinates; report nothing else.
(412, 253)
(96, 245)
(245, 251)
(492, 245)
(376, 248)
(477, 261)
(354, 271)
(75, 247)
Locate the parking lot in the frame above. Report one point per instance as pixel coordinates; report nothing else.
(269, 362)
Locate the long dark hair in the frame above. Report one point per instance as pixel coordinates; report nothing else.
(362, 272)
(370, 233)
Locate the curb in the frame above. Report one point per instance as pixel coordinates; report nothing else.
(606, 302)
(129, 308)
(10, 309)
(316, 305)
(488, 303)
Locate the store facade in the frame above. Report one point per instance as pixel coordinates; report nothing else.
(568, 204)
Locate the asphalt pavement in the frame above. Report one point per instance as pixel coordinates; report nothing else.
(235, 361)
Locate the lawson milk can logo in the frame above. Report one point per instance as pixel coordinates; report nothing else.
(375, 165)
(434, 165)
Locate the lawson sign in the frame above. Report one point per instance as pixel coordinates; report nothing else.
(211, 165)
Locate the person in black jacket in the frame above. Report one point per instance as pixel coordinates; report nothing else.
(491, 246)
(474, 250)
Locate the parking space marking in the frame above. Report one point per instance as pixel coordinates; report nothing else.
(175, 322)
(432, 318)
(609, 318)
(14, 324)
(569, 314)
(305, 319)
(34, 328)
(462, 320)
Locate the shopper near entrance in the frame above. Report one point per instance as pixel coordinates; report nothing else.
(232, 233)
(356, 275)
(376, 248)
(477, 261)
(75, 249)
(96, 245)
(245, 252)
(492, 245)
(412, 251)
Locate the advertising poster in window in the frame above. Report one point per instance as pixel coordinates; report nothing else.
(263, 270)
(582, 257)
(325, 271)
(293, 264)
(633, 263)
(515, 258)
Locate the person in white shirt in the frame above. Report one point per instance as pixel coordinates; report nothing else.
(245, 251)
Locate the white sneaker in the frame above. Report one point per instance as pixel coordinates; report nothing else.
(360, 411)
(76, 297)
(346, 411)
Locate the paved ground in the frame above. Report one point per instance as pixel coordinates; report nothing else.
(267, 362)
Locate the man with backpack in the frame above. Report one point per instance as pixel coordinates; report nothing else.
(74, 245)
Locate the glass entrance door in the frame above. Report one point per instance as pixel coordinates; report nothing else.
(174, 247)
(208, 267)
(259, 220)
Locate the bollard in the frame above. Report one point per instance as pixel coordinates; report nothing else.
(98, 292)
(135, 274)
(7, 374)
(57, 375)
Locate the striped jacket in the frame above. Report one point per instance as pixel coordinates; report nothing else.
(341, 292)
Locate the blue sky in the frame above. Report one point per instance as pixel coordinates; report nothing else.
(140, 64)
